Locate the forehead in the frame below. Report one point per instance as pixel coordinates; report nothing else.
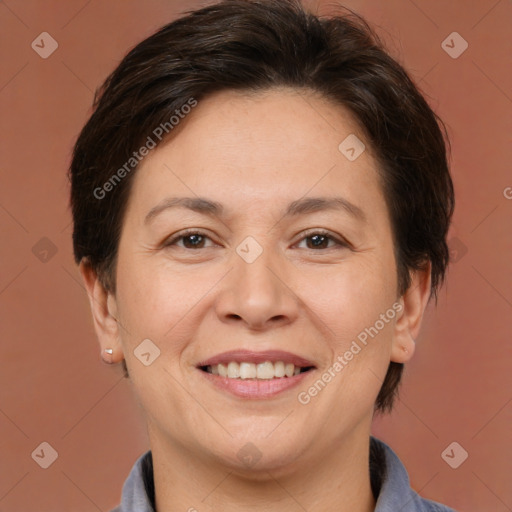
(254, 149)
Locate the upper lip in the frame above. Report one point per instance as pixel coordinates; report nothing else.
(250, 356)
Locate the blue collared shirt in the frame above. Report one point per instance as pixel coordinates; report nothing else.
(389, 479)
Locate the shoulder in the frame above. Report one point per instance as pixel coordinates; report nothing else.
(391, 483)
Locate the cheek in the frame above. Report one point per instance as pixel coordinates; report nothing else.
(351, 297)
(356, 304)
(158, 302)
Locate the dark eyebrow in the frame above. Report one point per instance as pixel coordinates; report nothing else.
(315, 204)
(299, 207)
(197, 204)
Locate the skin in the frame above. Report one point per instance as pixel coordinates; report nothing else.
(255, 154)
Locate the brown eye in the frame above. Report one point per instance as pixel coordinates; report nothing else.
(318, 241)
(193, 241)
(188, 240)
(321, 240)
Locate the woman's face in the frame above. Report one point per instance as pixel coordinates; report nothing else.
(258, 272)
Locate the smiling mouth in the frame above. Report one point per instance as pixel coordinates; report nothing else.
(267, 370)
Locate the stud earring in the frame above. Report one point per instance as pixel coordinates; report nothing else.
(106, 355)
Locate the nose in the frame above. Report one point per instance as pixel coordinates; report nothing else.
(257, 295)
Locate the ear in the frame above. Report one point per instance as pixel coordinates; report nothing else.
(104, 313)
(407, 327)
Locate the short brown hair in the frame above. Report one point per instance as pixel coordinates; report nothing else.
(255, 45)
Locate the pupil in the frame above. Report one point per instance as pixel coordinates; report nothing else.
(197, 238)
(318, 240)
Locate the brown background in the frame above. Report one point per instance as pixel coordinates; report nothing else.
(53, 386)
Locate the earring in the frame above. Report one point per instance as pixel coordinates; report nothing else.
(106, 355)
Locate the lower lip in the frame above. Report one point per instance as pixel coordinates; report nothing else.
(252, 388)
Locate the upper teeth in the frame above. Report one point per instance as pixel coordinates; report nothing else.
(266, 370)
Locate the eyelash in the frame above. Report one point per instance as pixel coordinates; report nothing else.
(184, 234)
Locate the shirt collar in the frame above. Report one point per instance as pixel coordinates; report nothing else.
(388, 476)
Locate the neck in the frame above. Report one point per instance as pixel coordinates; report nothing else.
(338, 480)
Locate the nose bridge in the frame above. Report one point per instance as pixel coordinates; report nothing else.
(255, 292)
(253, 272)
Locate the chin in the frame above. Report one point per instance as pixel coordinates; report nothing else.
(255, 456)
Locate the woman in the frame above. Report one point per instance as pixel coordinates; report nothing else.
(260, 201)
